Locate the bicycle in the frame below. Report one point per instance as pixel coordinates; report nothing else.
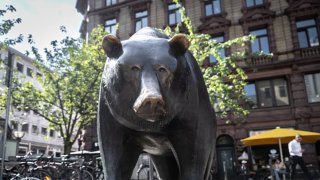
(27, 168)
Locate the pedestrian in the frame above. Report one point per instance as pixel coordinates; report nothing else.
(278, 168)
(296, 151)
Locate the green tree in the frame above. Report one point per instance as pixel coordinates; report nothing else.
(5, 26)
(69, 95)
(225, 80)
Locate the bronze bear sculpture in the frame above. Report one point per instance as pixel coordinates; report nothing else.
(153, 99)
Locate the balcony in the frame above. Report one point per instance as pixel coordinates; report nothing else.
(260, 59)
(309, 52)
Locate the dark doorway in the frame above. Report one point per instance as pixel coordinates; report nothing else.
(226, 157)
(318, 152)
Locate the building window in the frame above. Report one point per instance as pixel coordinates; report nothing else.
(111, 26)
(29, 72)
(251, 95)
(307, 33)
(174, 14)
(141, 20)
(312, 82)
(219, 39)
(261, 43)
(39, 75)
(111, 2)
(20, 67)
(44, 131)
(52, 133)
(267, 93)
(25, 128)
(14, 125)
(252, 3)
(34, 129)
(212, 7)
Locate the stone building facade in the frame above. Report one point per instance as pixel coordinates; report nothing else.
(284, 89)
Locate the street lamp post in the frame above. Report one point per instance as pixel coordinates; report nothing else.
(18, 135)
(9, 84)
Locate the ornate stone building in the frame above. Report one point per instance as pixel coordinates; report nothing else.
(284, 89)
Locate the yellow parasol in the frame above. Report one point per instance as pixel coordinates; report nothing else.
(279, 136)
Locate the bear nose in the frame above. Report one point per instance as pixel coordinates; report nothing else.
(151, 105)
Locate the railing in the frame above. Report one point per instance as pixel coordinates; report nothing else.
(309, 52)
(262, 59)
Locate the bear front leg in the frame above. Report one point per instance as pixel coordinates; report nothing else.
(119, 153)
(193, 149)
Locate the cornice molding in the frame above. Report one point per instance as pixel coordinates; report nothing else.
(116, 7)
(303, 7)
(214, 23)
(257, 15)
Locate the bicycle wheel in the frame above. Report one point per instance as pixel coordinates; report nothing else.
(42, 174)
(86, 175)
(69, 174)
(38, 174)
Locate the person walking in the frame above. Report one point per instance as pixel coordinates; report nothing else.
(296, 157)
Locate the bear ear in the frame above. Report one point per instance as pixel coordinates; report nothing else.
(179, 44)
(112, 46)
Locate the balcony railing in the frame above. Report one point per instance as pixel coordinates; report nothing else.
(262, 59)
(309, 52)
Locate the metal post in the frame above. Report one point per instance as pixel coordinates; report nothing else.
(150, 169)
(8, 104)
(225, 170)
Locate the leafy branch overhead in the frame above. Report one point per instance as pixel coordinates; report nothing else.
(225, 80)
(70, 86)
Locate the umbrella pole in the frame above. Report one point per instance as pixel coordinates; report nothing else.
(281, 156)
(280, 148)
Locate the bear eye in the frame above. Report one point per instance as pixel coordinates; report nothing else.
(135, 68)
(162, 69)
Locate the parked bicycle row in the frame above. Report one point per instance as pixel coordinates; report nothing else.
(40, 167)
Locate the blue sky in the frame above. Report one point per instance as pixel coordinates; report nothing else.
(42, 19)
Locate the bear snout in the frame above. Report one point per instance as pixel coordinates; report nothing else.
(150, 108)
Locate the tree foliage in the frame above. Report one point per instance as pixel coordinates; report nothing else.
(70, 86)
(225, 80)
(5, 26)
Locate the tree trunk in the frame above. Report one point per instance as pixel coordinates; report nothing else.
(67, 148)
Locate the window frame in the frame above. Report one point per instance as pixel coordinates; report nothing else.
(254, 3)
(18, 66)
(211, 2)
(258, 38)
(14, 125)
(140, 19)
(44, 131)
(34, 129)
(305, 29)
(223, 49)
(314, 82)
(25, 125)
(30, 72)
(112, 2)
(272, 87)
(110, 26)
(52, 133)
(174, 11)
(39, 75)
